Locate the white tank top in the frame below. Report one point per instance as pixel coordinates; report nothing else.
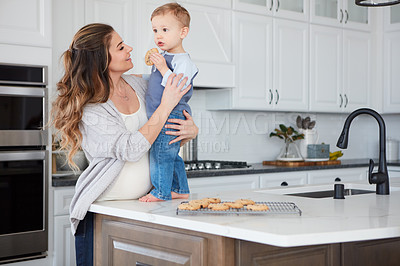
(134, 179)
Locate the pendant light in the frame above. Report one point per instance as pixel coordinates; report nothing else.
(373, 3)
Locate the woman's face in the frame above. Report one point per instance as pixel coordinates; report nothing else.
(120, 55)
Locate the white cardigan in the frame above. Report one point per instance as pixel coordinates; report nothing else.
(107, 144)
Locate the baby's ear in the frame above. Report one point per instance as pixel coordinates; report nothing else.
(184, 32)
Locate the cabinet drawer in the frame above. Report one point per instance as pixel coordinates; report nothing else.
(337, 175)
(283, 179)
(62, 200)
(126, 244)
(223, 183)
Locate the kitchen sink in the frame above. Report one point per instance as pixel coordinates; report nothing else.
(329, 193)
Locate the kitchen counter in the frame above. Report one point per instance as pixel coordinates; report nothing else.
(257, 168)
(323, 221)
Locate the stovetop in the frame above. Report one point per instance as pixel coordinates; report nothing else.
(206, 165)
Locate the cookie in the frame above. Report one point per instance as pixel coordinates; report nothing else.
(234, 205)
(213, 200)
(202, 202)
(245, 201)
(188, 206)
(218, 207)
(257, 207)
(147, 56)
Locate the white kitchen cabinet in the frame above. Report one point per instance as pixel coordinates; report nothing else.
(285, 179)
(209, 42)
(340, 13)
(391, 66)
(271, 72)
(394, 173)
(340, 69)
(253, 51)
(64, 241)
(120, 14)
(25, 22)
(68, 17)
(290, 65)
(291, 9)
(220, 3)
(217, 184)
(337, 175)
(392, 18)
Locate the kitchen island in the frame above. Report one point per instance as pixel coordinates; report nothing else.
(329, 232)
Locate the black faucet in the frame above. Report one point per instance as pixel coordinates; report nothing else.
(380, 178)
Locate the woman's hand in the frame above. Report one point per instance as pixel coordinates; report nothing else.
(187, 129)
(173, 92)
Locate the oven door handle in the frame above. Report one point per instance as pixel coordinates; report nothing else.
(22, 155)
(22, 91)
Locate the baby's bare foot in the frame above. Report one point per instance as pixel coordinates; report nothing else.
(149, 198)
(175, 195)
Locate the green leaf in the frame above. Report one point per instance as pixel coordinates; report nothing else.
(283, 128)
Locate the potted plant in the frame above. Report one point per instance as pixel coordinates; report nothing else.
(290, 151)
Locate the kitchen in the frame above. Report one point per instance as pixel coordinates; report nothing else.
(236, 127)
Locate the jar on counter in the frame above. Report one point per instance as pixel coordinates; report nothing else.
(392, 149)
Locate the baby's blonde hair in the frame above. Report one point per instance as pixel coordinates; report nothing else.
(176, 9)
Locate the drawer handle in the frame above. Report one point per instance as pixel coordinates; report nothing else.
(284, 184)
(337, 179)
(142, 264)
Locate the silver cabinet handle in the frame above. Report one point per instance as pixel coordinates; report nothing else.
(277, 8)
(272, 4)
(341, 100)
(341, 15)
(347, 16)
(271, 96)
(346, 100)
(277, 96)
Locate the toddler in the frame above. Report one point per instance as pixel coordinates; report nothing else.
(170, 24)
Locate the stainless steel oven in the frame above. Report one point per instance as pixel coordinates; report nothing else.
(23, 162)
(23, 197)
(23, 105)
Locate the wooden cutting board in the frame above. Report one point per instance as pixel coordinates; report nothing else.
(300, 163)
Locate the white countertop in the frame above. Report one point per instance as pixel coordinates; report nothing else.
(356, 218)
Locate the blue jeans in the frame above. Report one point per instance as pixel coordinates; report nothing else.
(84, 241)
(167, 169)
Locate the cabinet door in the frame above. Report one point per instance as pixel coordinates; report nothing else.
(209, 44)
(355, 17)
(391, 80)
(123, 244)
(392, 18)
(337, 175)
(285, 179)
(253, 48)
(26, 22)
(326, 69)
(326, 12)
(220, 3)
(356, 69)
(217, 184)
(264, 7)
(64, 242)
(291, 9)
(290, 65)
(119, 14)
(68, 18)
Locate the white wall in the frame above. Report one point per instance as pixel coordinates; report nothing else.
(244, 135)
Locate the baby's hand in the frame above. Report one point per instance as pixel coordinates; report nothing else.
(159, 62)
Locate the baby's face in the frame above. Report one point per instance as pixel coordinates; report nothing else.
(168, 33)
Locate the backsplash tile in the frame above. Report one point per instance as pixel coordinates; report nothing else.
(244, 135)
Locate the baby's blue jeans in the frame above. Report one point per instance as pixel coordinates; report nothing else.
(167, 169)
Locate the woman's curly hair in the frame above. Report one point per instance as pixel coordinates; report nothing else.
(86, 80)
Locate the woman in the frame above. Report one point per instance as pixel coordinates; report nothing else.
(101, 110)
